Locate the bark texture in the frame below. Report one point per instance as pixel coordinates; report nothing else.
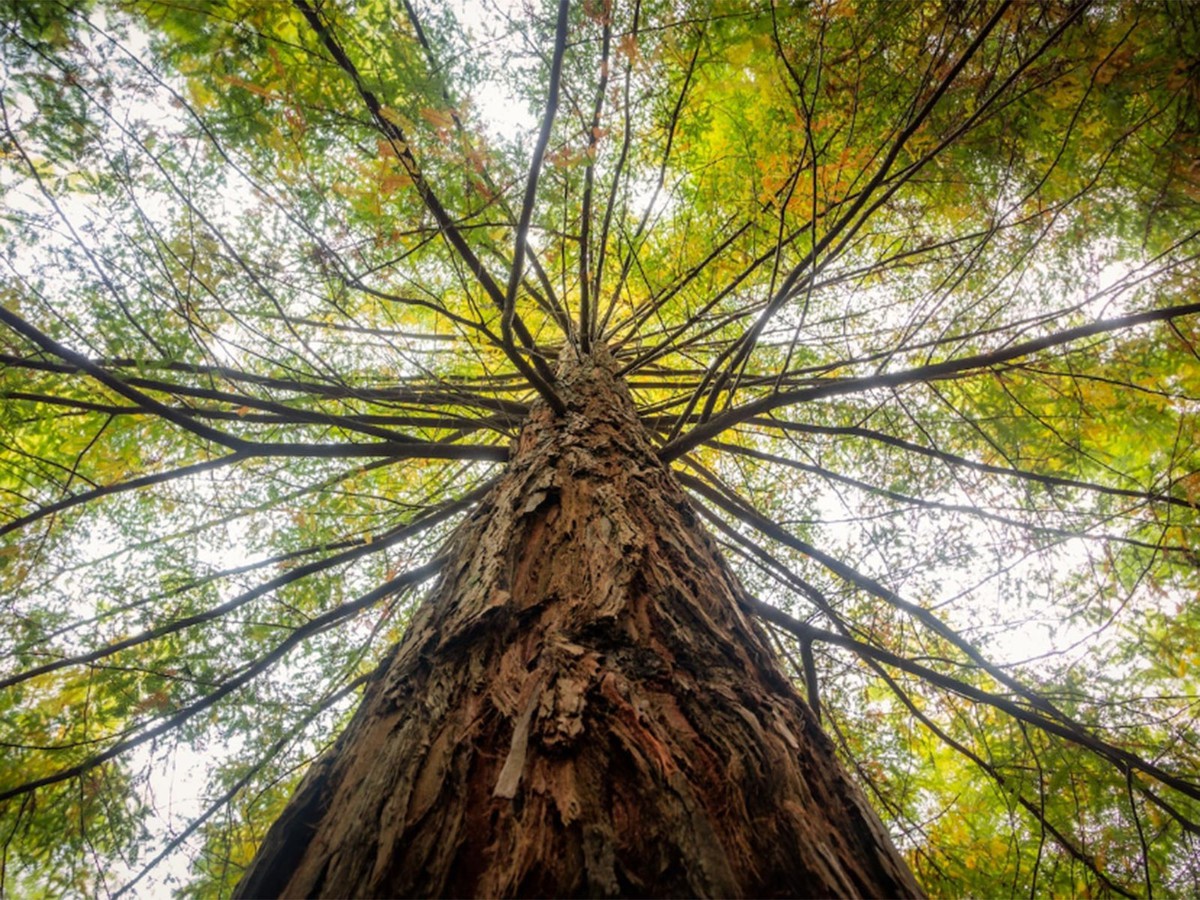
(580, 708)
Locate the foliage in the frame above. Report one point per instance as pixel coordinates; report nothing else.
(905, 292)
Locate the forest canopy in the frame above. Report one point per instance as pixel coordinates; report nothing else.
(905, 293)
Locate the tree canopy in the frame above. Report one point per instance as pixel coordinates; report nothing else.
(904, 292)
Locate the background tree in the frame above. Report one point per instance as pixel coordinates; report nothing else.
(905, 294)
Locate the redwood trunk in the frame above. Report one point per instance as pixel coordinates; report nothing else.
(581, 708)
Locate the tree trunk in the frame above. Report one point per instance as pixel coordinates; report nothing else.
(580, 708)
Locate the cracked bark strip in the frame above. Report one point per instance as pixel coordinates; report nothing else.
(580, 708)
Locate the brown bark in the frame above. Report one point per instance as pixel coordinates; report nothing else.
(581, 708)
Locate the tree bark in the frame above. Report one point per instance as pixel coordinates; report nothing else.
(580, 708)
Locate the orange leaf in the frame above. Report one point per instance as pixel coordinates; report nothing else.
(437, 118)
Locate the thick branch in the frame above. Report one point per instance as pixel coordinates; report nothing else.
(934, 372)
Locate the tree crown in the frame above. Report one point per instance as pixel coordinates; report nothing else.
(905, 294)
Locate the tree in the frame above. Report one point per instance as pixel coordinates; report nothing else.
(296, 324)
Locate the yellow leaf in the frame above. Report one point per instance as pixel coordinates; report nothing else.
(265, 93)
(437, 118)
(396, 117)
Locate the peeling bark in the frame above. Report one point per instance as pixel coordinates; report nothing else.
(580, 708)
